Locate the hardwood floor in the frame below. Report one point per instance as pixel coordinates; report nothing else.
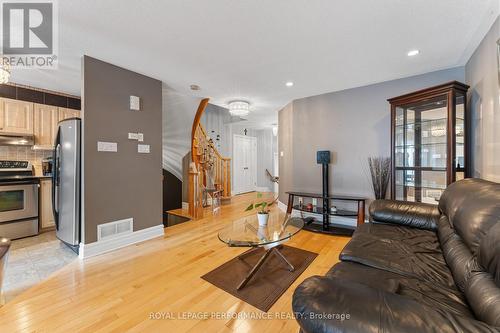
(121, 291)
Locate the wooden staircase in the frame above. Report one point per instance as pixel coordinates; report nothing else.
(209, 171)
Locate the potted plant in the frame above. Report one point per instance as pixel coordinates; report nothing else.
(263, 210)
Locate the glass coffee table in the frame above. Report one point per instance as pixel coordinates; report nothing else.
(246, 232)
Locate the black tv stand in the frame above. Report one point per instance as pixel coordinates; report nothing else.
(326, 227)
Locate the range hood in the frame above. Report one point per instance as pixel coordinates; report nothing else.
(15, 139)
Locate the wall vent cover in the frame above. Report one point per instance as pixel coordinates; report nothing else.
(114, 229)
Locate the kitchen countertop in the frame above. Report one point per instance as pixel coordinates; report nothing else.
(6, 179)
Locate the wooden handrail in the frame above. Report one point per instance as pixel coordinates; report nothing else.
(206, 158)
(196, 122)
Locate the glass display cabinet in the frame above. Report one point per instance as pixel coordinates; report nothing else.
(429, 142)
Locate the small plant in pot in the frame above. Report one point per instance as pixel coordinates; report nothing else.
(263, 210)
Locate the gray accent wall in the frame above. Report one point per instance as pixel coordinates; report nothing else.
(482, 73)
(353, 124)
(124, 184)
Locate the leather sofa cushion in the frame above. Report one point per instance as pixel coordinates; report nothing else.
(411, 236)
(371, 310)
(375, 278)
(469, 232)
(484, 297)
(4, 246)
(456, 253)
(428, 293)
(473, 207)
(477, 276)
(417, 215)
(489, 253)
(407, 251)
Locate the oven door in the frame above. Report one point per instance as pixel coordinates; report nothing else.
(18, 201)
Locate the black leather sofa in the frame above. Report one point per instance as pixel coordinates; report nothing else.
(4, 255)
(416, 268)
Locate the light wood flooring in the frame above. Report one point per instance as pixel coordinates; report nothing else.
(122, 290)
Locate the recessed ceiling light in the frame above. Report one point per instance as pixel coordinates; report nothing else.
(413, 53)
(194, 87)
(289, 84)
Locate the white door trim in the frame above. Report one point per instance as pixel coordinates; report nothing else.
(254, 163)
(276, 170)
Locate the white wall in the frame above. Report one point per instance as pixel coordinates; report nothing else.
(267, 145)
(482, 73)
(216, 121)
(178, 114)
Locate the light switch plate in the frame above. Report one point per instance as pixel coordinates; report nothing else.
(135, 103)
(133, 136)
(140, 137)
(107, 146)
(143, 149)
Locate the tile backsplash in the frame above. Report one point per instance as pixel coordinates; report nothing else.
(13, 153)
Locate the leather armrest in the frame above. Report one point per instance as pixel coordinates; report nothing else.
(324, 304)
(411, 214)
(4, 246)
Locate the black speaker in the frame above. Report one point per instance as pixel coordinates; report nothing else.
(323, 156)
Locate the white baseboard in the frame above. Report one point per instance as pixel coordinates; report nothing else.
(281, 206)
(100, 247)
(185, 205)
(262, 189)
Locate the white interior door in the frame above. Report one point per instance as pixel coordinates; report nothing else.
(244, 163)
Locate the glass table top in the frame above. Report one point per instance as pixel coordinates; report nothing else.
(247, 232)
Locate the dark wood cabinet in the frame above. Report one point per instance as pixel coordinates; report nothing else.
(429, 141)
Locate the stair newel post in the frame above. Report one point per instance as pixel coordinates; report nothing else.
(194, 193)
(227, 177)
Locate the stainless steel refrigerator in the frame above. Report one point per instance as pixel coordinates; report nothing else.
(66, 182)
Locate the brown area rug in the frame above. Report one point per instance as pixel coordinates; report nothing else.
(269, 283)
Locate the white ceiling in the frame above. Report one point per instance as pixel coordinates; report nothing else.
(248, 49)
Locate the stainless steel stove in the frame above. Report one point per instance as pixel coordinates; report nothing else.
(18, 199)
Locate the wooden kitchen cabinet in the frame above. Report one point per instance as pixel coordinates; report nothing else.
(65, 113)
(46, 213)
(16, 116)
(46, 118)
